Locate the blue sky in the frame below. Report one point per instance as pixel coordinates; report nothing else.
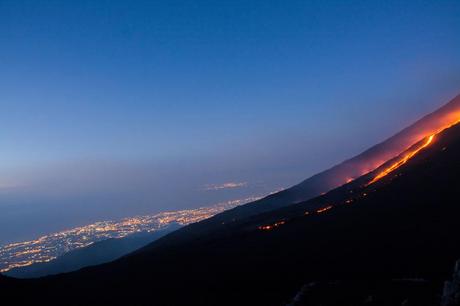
(113, 108)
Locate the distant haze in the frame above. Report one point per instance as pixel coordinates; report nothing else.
(116, 108)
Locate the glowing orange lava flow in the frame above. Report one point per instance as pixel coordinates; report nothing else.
(321, 210)
(272, 226)
(412, 153)
(402, 161)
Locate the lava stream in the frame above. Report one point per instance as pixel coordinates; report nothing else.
(402, 161)
(412, 153)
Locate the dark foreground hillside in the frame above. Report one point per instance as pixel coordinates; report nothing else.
(392, 243)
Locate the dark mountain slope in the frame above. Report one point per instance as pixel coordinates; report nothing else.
(352, 168)
(336, 176)
(403, 226)
(94, 254)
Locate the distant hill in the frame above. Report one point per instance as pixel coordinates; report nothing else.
(94, 254)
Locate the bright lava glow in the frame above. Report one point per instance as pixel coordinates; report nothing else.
(321, 210)
(412, 153)
(271, 226)
(402, 161)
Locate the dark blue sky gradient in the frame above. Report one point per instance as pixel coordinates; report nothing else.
(113, 108)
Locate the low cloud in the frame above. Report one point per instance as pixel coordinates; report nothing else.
(228, 185)
(6, 186)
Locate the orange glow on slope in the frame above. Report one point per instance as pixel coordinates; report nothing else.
(271, 226)
(402, 161)
(324, 209)
(411, 154)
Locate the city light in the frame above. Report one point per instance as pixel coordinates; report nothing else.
(47, 248)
